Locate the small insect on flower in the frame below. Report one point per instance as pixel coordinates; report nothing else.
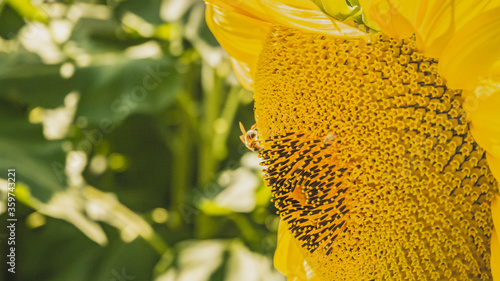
(330, 137)
(250, 138)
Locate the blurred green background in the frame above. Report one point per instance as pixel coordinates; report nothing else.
(121, 120)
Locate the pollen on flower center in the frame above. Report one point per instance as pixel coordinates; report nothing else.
(370, 159)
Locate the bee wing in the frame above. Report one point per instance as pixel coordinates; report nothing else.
(242, 129)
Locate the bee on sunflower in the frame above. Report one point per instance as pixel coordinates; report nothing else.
(379, 126)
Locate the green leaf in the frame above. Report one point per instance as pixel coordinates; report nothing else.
(10, 22)
(74, 257)
(117, 91)
(26, 9)
(38, 162)
(106, 92)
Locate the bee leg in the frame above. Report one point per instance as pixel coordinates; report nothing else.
(242, 129)
(254, 127)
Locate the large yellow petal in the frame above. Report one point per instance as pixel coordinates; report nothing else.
(394, 18)
(301, 14)
(495, 243)
(251, 8)
(482, 107)
(494, 164)
(305, 15)
(471, 54)
(438, 20)
(240, 35)
(244, 73)
(495, 256)
(289, 258)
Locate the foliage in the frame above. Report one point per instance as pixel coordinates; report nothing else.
(121, 120)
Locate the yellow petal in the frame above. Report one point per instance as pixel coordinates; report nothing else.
(482, 111)
(471, 54)
(495, 256)
(240, 35)
(289, 258)
(495, 71)
(495, 243)
(494, 164)
(495, 211)
(305, 15)
(392, 17)
(251, 8)
(244, 73)
(438, 20)
(301, 14)
(482, 107)
(280, 261)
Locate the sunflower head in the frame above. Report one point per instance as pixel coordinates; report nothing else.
(379, 134)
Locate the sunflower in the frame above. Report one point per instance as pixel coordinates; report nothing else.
(379, 123)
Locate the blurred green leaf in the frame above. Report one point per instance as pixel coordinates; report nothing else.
(74, 257)
(112, 92)
(156, 123)
(10, 22)
(38, 162)
(117, 91)
(26, 9)
(147, 9)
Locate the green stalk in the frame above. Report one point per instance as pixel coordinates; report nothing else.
(227, 116)
(157, 243)
(181, 144)
(245, 227)
(212, 94)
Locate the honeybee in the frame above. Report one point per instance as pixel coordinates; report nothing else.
(250, 138)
